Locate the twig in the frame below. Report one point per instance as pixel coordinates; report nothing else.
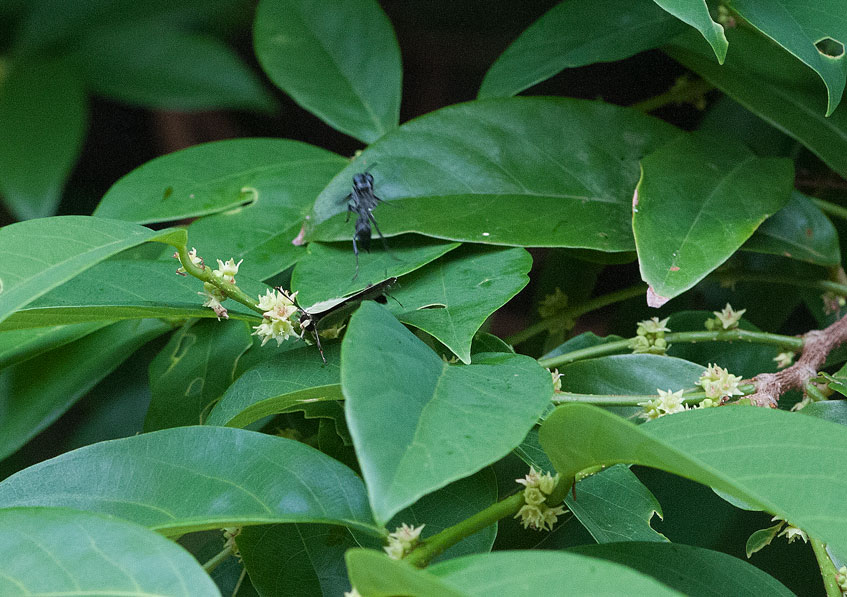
(817, 344)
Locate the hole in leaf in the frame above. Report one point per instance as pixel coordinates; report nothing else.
(830, 48)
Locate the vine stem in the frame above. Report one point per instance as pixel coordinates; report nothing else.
(787, 342)
(574, 312)
(217, 559)
(689, 397)
(731, 277)
(438, 543)
(828, 570)
(684, 91)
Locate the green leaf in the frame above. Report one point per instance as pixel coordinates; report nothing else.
(127, 289)
(339, 61)
(800, 230)
(597, 31)
(704, 445)
(326, 270)
(831, 410)
(20, 345)
(439, 428)
(167, 69)
(282, 383)
(497, 172)
(776, 87)
(696, 203)
(451, 298)
(505, 573)
(816, 36)
(761, 539)
(43, 117)
(224, 176)
(55, 551)
(690, 570)
(36, 392)
(628, 374)
(313, 556)
(39, 255)
(193, 370)
(195, 478)
(696, 14)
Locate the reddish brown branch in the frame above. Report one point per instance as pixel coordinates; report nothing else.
(817, 344)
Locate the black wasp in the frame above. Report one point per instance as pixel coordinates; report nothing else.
(362, 202)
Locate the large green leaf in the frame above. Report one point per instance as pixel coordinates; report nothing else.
(596, 31)
(23, 344)
(729, 448)
(339, 61)
(775, 86)
(43, 117)
(168, 69)
(451, 298)
(696, 203)
(418, 423)
(691, 570)
(39, 255)
(799, 27)
(55, 551)
(513, 171)
(193, 370)
(36, 392)
(629, 374)
(126, 289)
(800, 230)
(326, 270)
(221, 177)
(195, 478)
(696, 14)
(282, 383)
(505, 573)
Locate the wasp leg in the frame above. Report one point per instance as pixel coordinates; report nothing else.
(356, 253)
(381, 237)
(318, 342)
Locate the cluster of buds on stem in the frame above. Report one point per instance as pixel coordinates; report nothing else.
(535, 513)
(650, 336)
(402, 541)
(277, 309)
(727, 319)
(719, 384)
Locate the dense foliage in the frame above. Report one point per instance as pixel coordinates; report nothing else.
(430, 404)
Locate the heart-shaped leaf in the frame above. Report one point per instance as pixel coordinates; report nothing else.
(418, 423)
(40, 255)
(815, 36)
(598, 31)
(55, 551)
(451, 298)
(696, 204)
(194, 478)
(43, 116)
(314, 52)
(729, 448)
(498, 172)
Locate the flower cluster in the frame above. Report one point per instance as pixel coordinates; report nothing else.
(666, 404)
(727, 319)
(196, 261)
(841, 578)
(784, 359)
(791, 532)
(718, 383)
(230, 533)
(535, 513)
(277, 308)
(213, 295)
(553, 304)
(557, 380)
(402, 541)
(650, 336)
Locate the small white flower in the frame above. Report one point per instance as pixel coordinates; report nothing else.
(557, 380)
(729, 318)
(213, 298)
(667, 403)
(784, 359)
(226, 271)
(277, 307)
(195, 260)
(719, 383)
(653, 326)
(402, 540)
(352, 593)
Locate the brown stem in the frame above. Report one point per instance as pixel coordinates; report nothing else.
(817, 344)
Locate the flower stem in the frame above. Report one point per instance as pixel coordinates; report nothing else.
(828, 570)
(574, 312)
(217, 559)
(438, 543)
(732, 277)
(685, 90)
(204, 273)
(689, 397)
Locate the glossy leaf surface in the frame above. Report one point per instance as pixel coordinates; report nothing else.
(418, 423)
(498, 172)
(314, 52)
(597, 31)
(696, 14)
(42, 254)
(196, 478)
(696, 204)
(705, 445)
(55, 551)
